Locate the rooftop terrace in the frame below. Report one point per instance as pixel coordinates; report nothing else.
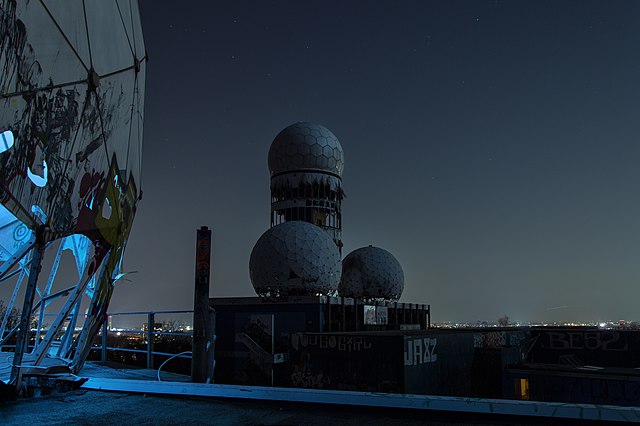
(135, 396)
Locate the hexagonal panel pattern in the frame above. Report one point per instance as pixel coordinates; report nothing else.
(371, 273)
(295, 258)
(306, 146)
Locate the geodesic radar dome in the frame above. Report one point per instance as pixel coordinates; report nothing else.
(306, 147)
(295, 258)
(371, 273)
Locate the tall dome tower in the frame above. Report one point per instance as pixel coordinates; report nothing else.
(305, 163)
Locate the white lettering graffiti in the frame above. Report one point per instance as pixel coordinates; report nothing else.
(589, 340)
(342, 343)
(420, 351)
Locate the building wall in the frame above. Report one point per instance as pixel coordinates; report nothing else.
(288, 344)
(438, 364)
(239, 362)
(250, 331)
(603, 348)
(346, 361)
(415, 362)
(574, 388)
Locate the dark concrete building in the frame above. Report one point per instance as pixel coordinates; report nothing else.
(338, 343)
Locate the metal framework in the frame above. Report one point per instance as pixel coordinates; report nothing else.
(319, 203)
(71, 114)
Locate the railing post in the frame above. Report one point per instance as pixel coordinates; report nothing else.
(150, 329)
(103, 356)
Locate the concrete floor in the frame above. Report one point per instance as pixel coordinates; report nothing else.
(84, 407)
(91, 407)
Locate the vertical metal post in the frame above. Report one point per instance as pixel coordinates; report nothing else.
(355, 309)
(211, 346)
(202, 333)
(273, 345)
(151, 322)
(428, 316)
(396, 312)
(321, 316)
(46, 292)
(103, 356)
(22, 340)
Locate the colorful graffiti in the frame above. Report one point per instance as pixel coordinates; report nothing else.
(71, 119)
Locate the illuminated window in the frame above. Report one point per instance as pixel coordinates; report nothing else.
(6, 140)
(522, 389)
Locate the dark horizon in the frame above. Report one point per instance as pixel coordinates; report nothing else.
(491, 147)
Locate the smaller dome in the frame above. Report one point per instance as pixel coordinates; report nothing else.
(306, 147)
(371, 273)
(295, 258)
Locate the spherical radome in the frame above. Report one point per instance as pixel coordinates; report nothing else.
(295, 258)
(371, 273)
(306, 147)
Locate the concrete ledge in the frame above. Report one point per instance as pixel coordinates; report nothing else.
(416, 402)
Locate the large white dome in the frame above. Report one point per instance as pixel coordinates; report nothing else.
(306, 147)
(295, 258)
(371, 273)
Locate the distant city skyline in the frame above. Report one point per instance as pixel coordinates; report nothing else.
(492, 147)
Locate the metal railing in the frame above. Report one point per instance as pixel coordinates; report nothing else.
(150, 333)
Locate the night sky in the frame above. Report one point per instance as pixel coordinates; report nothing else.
(492, 147)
